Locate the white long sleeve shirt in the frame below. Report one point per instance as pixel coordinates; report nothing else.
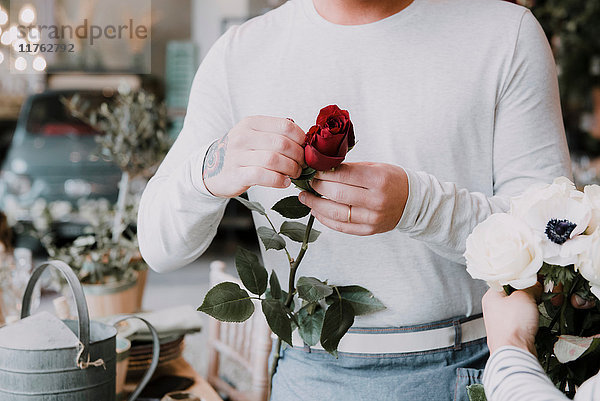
(462, 94)
(513, 374)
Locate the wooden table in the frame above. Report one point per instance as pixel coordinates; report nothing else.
(180, 367)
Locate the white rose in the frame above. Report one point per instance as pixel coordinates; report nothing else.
(503, 250)
(592, 198)
(588, 262)
(558, 214)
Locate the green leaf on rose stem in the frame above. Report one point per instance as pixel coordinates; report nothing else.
(278, 319)
(307, 174)
(270, 238)
(291, 208)
(303, 184)
(569, 348)
(275, 287)
(254, 206)
(227, 302)
(310, 324)
(476, 392)
(339, 317)
(295, 231)
(253, 274)
(362, 300)
(312, 290)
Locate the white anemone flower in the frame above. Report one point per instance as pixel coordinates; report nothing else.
(558, 214)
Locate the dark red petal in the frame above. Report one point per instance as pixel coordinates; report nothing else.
(310, 135)
(327, 143)
(351, 140)
(328, 111)
(319, 161)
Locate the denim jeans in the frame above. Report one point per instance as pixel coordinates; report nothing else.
(437, 375)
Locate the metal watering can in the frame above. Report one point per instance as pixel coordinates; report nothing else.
(41, 358)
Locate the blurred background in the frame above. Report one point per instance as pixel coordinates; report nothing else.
(84, 125)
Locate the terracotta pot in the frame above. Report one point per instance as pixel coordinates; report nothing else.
(113, 297)
(141, 286)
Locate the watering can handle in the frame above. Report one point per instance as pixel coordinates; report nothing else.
(155, 355)
(82, 310)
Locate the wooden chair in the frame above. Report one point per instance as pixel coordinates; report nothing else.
(248, 344)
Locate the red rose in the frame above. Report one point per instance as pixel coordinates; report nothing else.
(328, 141)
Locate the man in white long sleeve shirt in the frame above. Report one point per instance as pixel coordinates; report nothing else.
(513, 373)
(455, 108)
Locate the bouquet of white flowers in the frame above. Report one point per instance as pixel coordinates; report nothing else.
(551, 234)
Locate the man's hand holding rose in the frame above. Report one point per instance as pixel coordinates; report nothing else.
(259, 150)
(375, 192)
(358, 198)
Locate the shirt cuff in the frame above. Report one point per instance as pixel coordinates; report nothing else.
(196, 163)
(414, 201)
(503, 354)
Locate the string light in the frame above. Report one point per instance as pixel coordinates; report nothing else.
(20, 63)
(3, 16)
(27, 14)
(14, 33)
(5, 39)
(39, 63)
(17, 44)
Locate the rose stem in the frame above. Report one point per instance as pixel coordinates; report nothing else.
(290, 260)
(290, 296)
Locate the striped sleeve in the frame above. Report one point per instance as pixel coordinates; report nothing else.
(513, 374)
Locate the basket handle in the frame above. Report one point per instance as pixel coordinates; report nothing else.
(82, 310)
(155, 355)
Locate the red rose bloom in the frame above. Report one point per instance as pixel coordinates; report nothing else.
(328, 141)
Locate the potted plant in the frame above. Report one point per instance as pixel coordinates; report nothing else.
(134, 128)
(109, 270)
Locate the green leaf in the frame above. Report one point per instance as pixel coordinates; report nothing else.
(310, 324)
(362, 300)
(476, 392)
(270, 238)
(303, 184)
(295, 231)
(275, 287)
(291, 208)
(338, 319)
(312, 289)
(278, 319)
(227, 302)
(252, 273)
(557, 274)
(307, 173)
(254, 206)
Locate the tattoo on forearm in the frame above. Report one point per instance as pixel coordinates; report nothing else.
(215, 157)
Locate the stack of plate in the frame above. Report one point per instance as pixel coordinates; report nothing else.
(140, 356)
